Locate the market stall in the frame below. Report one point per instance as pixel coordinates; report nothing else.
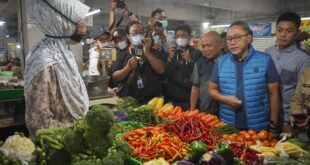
(155, 133)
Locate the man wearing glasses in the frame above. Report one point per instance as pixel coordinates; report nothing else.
(245, 82)
(138, 68)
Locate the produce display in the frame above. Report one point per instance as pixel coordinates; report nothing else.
(156, 133)
(154, 142)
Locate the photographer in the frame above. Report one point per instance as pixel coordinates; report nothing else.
(180, 67)
(101, 41)
(139, 68)
(121, 5)
(157, 27)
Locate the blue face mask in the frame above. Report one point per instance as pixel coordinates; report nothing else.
(136, 40)
(164, 23)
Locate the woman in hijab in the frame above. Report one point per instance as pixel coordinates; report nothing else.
(54, 90)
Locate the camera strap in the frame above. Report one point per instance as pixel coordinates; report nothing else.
(118, 22)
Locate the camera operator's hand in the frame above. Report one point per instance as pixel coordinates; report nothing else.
(113, 4)
(147, 45)
(132, 63)
(186, 56)
(171, 53)
(151, 24)
(159, 31)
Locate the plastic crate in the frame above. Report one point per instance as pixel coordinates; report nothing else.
(8, 94)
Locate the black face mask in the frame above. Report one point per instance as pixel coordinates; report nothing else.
(75, 37)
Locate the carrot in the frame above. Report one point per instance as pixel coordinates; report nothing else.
(219, 124)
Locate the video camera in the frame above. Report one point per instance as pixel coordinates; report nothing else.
(121, 4)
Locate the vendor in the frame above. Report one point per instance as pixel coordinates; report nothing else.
(54, 90)
(101, 41)
(300, 107)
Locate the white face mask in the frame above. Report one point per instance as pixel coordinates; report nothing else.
(104, 45)
(181, 42)
(122, 44)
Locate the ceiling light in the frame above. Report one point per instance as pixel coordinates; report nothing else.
(305, 18)
(82, 43)
(217, 26)
(205, 25)
(92, 12)
(18, 46)
(2, 23)
(7, 36)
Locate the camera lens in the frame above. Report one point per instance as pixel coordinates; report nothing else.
(158, 24)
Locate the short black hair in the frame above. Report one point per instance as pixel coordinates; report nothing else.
(158, 10)
(291, 17)
(244, 26)
(131, 23)
(185, 28)
(223, 35)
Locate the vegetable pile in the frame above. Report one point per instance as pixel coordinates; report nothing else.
(191, 128)
(87, 142)
(154, 142)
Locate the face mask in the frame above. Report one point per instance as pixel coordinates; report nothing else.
(76, 37)
(122, 44)
(136, 40)
(164, 23)
(181, 42)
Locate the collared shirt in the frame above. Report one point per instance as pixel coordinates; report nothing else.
(290, 63)
(178, 73)
(200, 77)
(150, 79)
(240, 114)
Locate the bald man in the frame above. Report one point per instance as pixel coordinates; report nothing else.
(212, 45)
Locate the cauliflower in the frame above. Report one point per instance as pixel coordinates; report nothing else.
(17, 147)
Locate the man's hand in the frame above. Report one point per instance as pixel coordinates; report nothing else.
(113, 5)
(151, 24)
(147, 45)
(132, 63)
(186, 56)
(302, 36)
(233, 101)
(287, 129)
(171, 53)
(159, 31)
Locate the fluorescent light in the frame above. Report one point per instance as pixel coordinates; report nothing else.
(217, 26)
(205, 25)
(7, 36)
(92, 12)
(18, 46)
(2, 23)
(305, 18)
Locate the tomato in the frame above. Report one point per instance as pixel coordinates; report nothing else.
(252, 131)
(263, 135)
(247, 136)
(255, 137)
(242, 132)
(266, 143)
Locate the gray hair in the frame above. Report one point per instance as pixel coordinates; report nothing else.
(244, 26)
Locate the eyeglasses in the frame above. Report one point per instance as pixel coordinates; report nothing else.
(235, 38)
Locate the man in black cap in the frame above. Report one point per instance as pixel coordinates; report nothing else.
(119, 38)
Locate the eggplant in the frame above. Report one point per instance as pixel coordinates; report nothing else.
(212, 158)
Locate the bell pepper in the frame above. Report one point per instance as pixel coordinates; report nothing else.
(238, 161)
(197, 148)
(225, 150)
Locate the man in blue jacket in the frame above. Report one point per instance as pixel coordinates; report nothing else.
(245, 82)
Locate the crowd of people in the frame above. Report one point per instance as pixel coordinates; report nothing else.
(244, 87)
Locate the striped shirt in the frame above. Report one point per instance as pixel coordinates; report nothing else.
(290, 63)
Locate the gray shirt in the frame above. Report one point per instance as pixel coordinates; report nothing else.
(290, 63)
(200, 77)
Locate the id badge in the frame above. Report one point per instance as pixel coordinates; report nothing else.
(140, 83)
